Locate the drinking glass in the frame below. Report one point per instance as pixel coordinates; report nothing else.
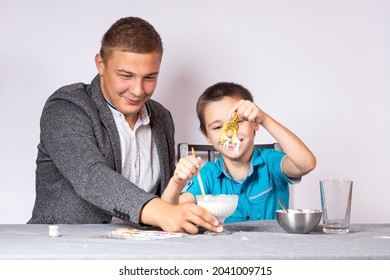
(336, 197)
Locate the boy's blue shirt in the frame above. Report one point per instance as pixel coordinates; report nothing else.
(258, 192)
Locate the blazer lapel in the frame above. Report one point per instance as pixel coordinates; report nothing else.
(159, 136)
(108, 121)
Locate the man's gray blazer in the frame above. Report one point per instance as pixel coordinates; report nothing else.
(78, 174)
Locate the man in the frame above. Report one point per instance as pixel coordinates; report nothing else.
(106, 149)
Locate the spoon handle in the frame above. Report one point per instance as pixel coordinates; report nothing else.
(199, 178)
(282, 205)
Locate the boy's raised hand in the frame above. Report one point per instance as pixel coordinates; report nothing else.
(247, 110)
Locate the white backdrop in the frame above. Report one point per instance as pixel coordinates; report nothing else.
(322, 68)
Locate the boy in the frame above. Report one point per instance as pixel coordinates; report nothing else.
(259, 176)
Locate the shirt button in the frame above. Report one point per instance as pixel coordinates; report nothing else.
(247, 218)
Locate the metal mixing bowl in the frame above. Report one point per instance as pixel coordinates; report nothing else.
(298, 220)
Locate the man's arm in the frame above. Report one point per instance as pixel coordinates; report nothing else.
(178, 218)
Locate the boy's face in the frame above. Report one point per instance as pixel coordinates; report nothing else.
(215, 115)
(128, 80)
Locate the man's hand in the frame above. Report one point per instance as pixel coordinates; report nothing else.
(178, 218)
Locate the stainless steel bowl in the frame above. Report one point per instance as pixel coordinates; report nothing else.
(298, 220)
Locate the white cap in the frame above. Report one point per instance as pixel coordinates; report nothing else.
(53, 231)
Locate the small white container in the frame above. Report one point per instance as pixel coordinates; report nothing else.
(54, 231)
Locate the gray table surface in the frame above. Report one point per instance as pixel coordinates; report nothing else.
(253, 240)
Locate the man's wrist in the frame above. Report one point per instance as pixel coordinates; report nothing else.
(153, 212)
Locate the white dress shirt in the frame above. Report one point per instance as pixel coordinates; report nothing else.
(140, 162)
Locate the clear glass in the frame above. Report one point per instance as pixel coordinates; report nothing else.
(221, 206)
(336, 197)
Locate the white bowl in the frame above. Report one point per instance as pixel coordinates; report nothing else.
(221, 206)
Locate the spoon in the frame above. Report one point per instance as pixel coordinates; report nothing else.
(282, 205)
(199, 178)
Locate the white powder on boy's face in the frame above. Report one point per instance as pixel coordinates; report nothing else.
(236, 144)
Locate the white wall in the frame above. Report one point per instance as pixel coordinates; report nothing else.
(322, 68)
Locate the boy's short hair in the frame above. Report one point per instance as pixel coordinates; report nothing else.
(217, 92)
(130, 34)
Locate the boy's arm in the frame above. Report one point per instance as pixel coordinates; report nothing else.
(171, 193)
(186, 168)
(299, 160)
